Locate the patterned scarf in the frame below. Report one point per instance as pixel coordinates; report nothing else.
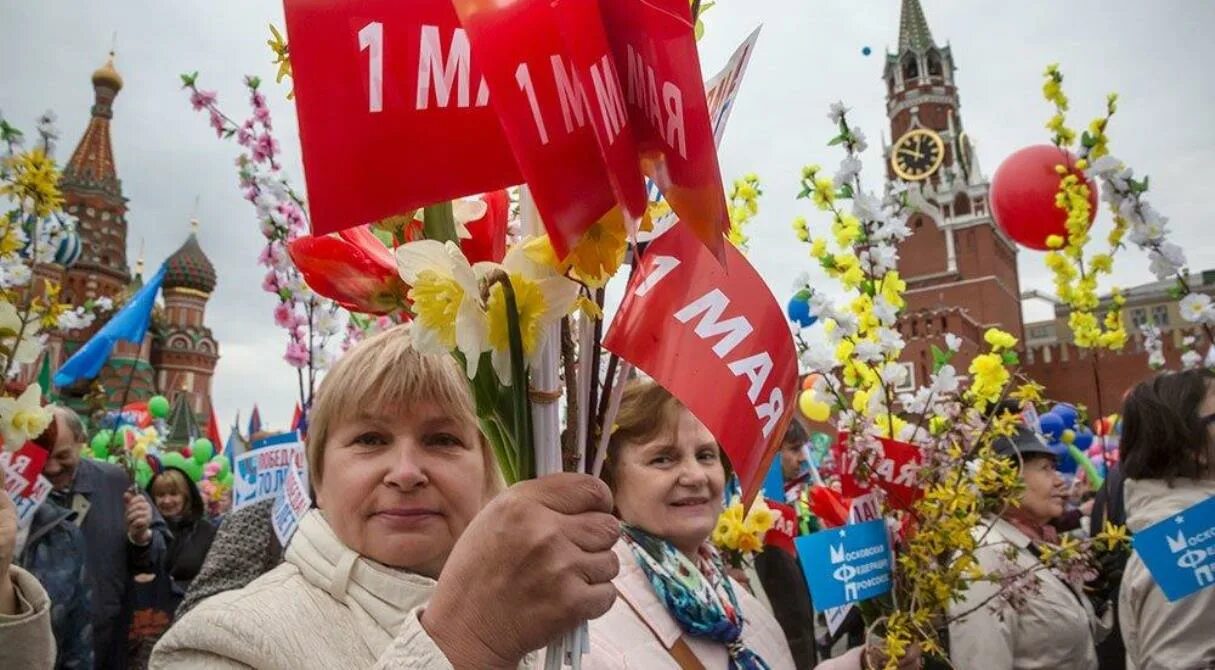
(699, 597)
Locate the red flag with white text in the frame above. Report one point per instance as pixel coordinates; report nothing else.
(714, 336)
(394, 113)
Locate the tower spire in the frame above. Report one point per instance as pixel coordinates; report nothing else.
(914, 34)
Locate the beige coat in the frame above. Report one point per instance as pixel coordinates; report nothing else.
(1158, 634)
(324, 607)
(1055, 630)
(26, 640)
(623, 639)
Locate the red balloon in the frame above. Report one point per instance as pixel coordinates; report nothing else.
(1023, 195)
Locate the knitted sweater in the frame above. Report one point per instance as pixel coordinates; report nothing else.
(245, 548)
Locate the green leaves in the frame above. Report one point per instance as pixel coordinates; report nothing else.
(1011, 358)
(189, 80)
(438, 223)
(940, 358)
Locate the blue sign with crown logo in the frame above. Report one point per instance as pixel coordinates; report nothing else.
(847, 564)
(1180, 551)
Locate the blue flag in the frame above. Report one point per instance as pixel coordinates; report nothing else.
(847, 564)
(130, 324)
(1180, 551)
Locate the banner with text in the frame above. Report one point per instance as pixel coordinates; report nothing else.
(262, 472)
(26, 462)
(541, 105)
(713, 335)
(846, 564)
(27, 495)
(1180, 551)
(290, 507)
(394, 113)
(654, 43)
(893, 468)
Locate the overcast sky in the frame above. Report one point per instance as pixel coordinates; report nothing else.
(1156, 55)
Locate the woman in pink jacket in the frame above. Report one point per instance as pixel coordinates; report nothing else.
(676, 607)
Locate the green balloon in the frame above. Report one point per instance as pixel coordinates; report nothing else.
(223, 464)
(226, 480)
(193, 469)
(158, 406)
(821, 441)
(101, 448)
(143, 478)
(202, 450)
(174, 459)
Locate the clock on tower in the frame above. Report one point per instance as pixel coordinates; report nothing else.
(917, 154)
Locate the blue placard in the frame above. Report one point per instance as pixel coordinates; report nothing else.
(1180, 551)
(847, 564)
(774, 482)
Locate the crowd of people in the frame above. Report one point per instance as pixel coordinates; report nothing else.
(416, 555)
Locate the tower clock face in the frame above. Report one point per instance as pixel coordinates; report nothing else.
(917, 154)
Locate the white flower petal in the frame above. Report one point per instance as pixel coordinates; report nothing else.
(472, 333)
(415, 258)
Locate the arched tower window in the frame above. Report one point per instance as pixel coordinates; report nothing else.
(934, 64)
(961, 205)
(911, 67)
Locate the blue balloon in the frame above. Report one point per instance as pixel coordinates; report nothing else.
(1083, 441)
(866, 51)
(1067, 413)
(1064, 463)
(799, 312)
(1052, 426)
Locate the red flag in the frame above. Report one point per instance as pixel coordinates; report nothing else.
(213, 430)
(541, 108)
(26, 462)
(393, 111)
(784, 529)
(654, 43)
(893, 470)
(712, 335)
(296, 416)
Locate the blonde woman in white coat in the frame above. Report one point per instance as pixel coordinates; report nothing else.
(1168, 447)
(678, 609)
(392, 570)
(1056, 627)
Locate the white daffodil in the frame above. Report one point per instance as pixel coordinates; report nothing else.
(542, 298)
(23, 418)
(464, 211)
(1196, 308)
(446, 300)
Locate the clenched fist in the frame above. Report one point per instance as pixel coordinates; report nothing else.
(531, 566)
(139, 518)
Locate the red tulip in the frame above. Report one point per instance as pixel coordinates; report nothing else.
(829, 506)
(488, 241)
(352, 268)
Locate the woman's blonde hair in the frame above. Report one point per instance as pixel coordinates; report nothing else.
(384, 373)
(171, 481)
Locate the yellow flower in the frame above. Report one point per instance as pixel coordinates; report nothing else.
(1054, 241)
(818, 248)
(33, 178)
(588, 307)
(23, 418)
(597, 256)
(28, 348)
(824, 192)
(999, 340)
(542, 297)
(809, 171)
(893, 287)
(760, 518)
(748, 543)
(446, 300)
(1114, 535)
(989, 375)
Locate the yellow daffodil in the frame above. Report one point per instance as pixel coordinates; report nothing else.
(446, 300)
(542, 298)
(760, 518)
(23, 418)
(596, 257)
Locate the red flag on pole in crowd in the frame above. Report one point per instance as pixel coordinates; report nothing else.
(714, 336)
(541, 106)
(296, 416)
(394, 113)
(654, 43)
(213, 430)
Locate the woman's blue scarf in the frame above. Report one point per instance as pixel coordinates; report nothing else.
(699, 597)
